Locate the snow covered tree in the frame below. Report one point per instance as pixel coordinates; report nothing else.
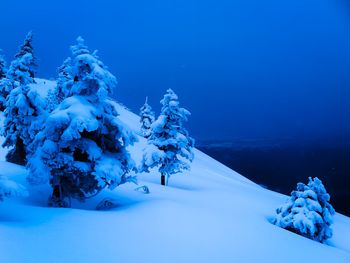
(27, 48)
(65, 79)
(3, 69)
(146, 118)
(308, 211)
(9, 188)
(23, 106)
(64, 82)
(174, 146)
(21, 71)
(3, 84)
(22, 68)
(83, 146)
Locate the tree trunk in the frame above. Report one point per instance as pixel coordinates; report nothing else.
(162, 179)
(56, 199)
(56, 193)
(17, 155)
(167, 180)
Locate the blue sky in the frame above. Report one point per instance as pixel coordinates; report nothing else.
(244, 68)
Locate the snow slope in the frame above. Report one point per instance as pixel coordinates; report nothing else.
(210, 214)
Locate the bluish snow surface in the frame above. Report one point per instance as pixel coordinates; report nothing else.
(210, 214)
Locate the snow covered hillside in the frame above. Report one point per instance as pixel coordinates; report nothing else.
(210, 214)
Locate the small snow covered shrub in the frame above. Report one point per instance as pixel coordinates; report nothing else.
(9, 188)
(308, 212)
(146, 118)
(83, 145)
(23, 105)
(170, 146)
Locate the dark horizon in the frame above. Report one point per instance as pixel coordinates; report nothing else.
(245, 69)
(280, 166)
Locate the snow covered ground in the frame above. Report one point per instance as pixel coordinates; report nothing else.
(210, 214)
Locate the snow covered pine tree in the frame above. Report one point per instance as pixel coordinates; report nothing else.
(27, 48)
(2, 66)
(64, 82)
(146, 118)
(16, 72)
(82, 147)
(173, 149)
(308, 212)
(23, 105)
(3, 85)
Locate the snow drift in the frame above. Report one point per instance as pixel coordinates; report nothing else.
(210, 214)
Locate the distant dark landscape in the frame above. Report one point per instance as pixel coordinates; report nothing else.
(280, 165)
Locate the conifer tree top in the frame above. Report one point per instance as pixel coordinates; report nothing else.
(147, 118)
(27, 46)
(80, 48)
(25, 61)
(168, 97)
(64, 79)
(66, 63)
(171, 117)
(146, 108)
(170, 104)
(90, 75)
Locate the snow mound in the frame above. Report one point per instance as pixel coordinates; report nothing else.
(42, 86)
